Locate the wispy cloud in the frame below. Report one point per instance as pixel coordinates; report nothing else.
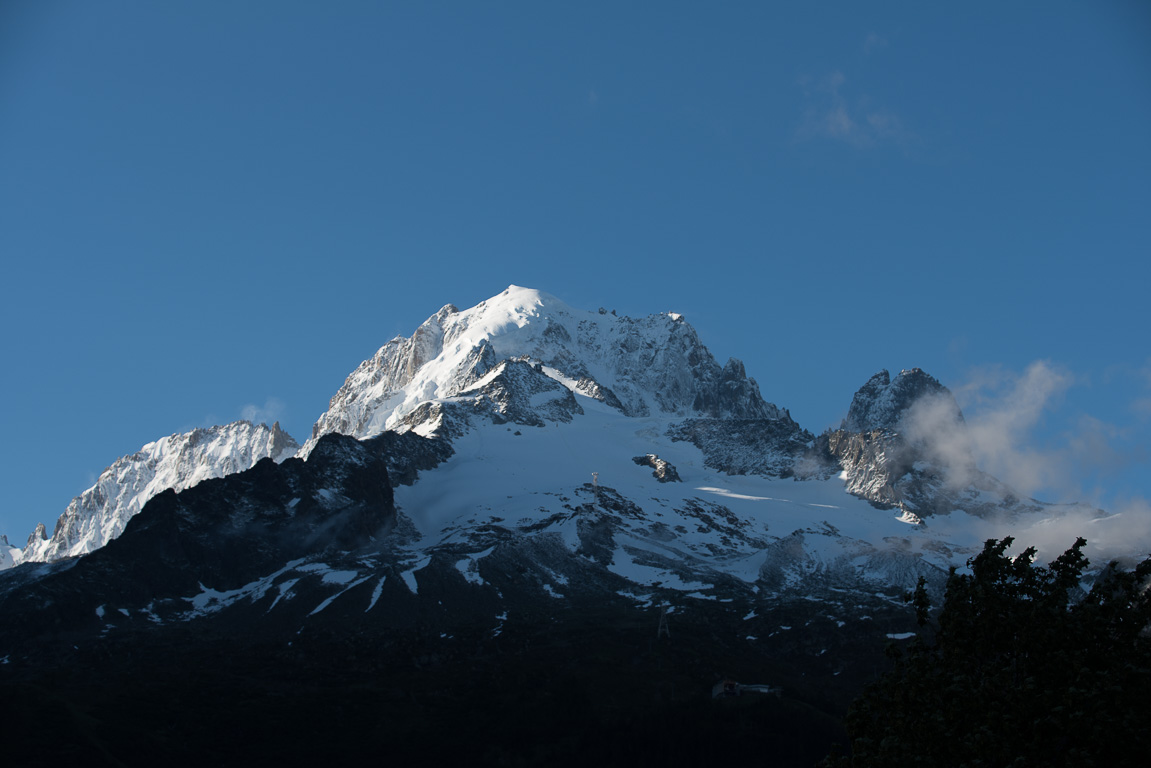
(269, 412)
(1001, 409)
(830, 112)
(1124, 532)
(1004, 410)
(873, 43)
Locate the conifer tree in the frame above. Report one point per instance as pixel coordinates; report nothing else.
(1022, 669)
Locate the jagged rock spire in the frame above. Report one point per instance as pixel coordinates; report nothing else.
(882, 403)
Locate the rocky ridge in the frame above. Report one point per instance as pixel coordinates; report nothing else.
(176, 462)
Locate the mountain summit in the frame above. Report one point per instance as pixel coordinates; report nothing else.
(652, 365)
(882, 403)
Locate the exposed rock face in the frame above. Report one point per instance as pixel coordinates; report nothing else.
(39, 534)
(407, 454)
(662, 470)
(872, 462)
(888, 470)
(520, 392)
(767, 447)
(734, 396)
(180, 461)
(882, 403)
(904, 444)
(514, 391)
(592, 389)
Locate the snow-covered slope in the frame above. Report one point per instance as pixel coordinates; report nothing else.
(705, 534)
(179, 461)
(651, 365)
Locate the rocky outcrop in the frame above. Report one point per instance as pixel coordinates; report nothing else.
(733, 395)
(882, 403)
(519, 391)
(39, 534)
(407, 454)
(767, 447)
(661, 470)
(892, 472)
(591, 388)
(904, 445)
(515, 391)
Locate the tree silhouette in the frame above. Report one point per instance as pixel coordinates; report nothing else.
(1023, 669)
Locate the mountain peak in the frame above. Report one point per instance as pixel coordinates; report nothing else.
(650, 366)
(882, 402)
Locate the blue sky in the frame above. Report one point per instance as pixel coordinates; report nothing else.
(214, 209)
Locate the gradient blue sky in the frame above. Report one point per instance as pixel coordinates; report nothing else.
(210, 208)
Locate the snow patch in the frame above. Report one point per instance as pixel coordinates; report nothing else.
(376, 594)
(328, 601)
(409, 575)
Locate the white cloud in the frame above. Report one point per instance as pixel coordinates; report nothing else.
(269, 412)
(1124, 531)
(1003, 411)
(1001, 429)
(829, 114)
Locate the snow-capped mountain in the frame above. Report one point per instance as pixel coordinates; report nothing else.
(641, 367)
(178, 461)
(602, 394)
(511, 477)
(524, 397)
